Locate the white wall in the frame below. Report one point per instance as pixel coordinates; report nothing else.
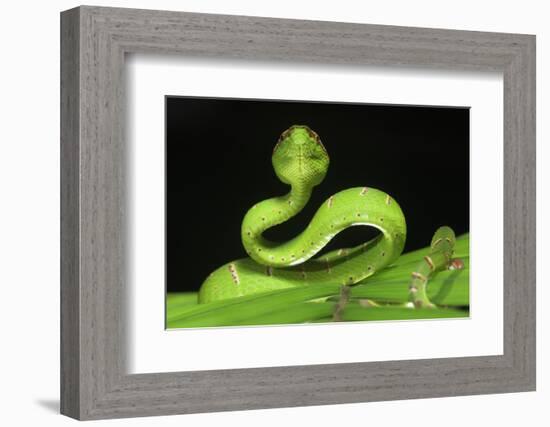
(29, 225)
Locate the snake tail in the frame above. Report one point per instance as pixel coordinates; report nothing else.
(439, 258)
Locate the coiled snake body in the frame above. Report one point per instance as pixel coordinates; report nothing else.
(300, 160)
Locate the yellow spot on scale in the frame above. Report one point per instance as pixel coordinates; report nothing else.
(234, 274)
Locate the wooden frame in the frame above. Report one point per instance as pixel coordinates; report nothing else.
(94, 383)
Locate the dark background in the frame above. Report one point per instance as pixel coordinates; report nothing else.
(218, 164)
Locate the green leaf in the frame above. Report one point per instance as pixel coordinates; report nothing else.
(315, 303)
(450, 287)
(239, 310)
(357, 313)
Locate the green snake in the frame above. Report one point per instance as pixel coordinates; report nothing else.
(301, 161)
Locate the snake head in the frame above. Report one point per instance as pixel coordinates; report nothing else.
(300, 157)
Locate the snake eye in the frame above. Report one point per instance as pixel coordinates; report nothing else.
(283, 136)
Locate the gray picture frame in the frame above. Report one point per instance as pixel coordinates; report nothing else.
(94, 381)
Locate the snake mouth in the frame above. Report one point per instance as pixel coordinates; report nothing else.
(318, 141)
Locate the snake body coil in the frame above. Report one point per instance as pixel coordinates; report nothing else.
(300, 160)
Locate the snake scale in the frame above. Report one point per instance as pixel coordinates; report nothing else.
(301, 161)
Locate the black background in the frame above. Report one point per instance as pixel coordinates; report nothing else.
(218, 164)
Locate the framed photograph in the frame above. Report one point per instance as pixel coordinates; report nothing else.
(380, 143)
(249, 204)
